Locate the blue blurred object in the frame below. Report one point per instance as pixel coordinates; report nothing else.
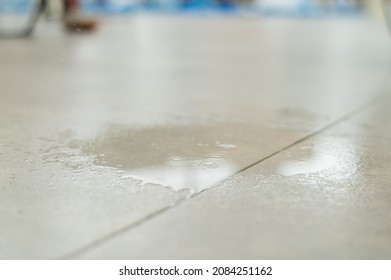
(109, 6)
(11, 6)
(302, 8)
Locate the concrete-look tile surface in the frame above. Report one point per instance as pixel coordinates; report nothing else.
(328, 197)
(102, 132)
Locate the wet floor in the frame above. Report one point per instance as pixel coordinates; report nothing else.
(180, 157)
(192, 156)
(250, 138)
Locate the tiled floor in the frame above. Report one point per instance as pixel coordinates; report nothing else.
(171, 137)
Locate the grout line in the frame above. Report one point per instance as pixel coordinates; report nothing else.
(314, 133)
(126, 228)
(310, 135)
(103, 239)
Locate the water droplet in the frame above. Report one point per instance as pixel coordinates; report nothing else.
(217, 156)
(175, 159)
(227, 146)
(208, 163)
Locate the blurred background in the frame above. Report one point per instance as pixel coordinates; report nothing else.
(20, 16)
(264, 7)
(281, 7)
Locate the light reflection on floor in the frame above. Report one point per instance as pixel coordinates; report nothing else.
(335, 158)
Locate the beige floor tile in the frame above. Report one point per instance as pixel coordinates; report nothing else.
(325, 198)
(99, 132)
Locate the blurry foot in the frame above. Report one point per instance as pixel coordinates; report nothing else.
(76, 22)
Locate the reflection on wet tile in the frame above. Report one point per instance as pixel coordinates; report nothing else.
(194, 178)
(191, 157)
(329, 157)
(315, 164)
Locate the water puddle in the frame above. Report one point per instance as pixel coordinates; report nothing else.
(334, 158)
(192, 157)
(315, 164)
(179, 155)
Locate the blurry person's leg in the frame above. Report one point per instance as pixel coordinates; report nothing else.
(74, 20)
(71, 5)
